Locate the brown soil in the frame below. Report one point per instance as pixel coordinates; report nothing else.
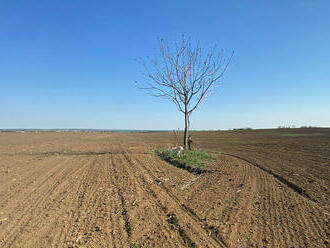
(110, 190)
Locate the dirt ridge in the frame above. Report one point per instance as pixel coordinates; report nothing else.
(291, 185)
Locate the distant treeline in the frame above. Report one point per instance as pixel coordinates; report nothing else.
(244, 128)
(279, 127)
(293, 126)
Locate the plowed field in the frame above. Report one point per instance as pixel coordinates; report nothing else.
(110, 190)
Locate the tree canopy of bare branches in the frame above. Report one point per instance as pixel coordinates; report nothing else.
(185, 73)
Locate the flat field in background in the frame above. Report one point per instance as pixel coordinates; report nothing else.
(267, 188)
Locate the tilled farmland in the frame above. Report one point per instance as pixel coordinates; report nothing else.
(110, 190)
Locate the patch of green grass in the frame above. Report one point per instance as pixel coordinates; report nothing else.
(311, 203)
(195, 158)
(292, 194)
(137, 245)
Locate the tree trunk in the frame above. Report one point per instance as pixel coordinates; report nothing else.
(186, 130)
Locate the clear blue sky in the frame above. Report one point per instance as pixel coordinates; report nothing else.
(71, 64)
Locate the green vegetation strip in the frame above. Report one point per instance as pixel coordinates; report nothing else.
(192, 160)
(137, 245)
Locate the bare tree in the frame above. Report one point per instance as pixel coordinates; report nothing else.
(185, 74)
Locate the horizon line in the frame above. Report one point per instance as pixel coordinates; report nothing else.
(145, 130)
